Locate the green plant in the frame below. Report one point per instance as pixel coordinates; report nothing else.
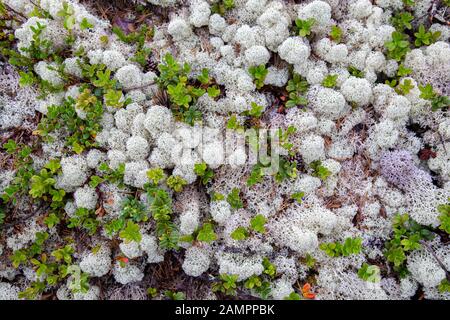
(398, 47)
(234, 200)
(319, 170)
(172, 295)
(370, 273)
(403, 71)
(222, 6)
(84, 218)
(425, 37)
(81, 132)
(402, 21)
(131, 232)
(409, 3)
(234, 124)
(355, 72)
(336, 34)
(258, 74)
(406, 237)
(52, 220)
(152, 292)
(206, 233)
(253, 282)
(295, 88)
(205, 173)
(444, 216)
(176, 183)
(437, 102)
(226, 284)
(161, 209)
(405, 87)
(156, 175)
(444, 286)
(286, 170)
(257, 223)
(304, 26)
(133, 209)
(255, 111)
(269, 268)
(336, 249)
(298, 196)
(256, 175)
(293, 296)
(239, 233)
(330, 81)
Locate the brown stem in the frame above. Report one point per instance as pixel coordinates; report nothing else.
(427, 246)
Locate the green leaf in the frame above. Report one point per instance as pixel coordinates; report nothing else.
(206, 233)
(84, 24)
(239, 234)
(234, 200)
(131, 232)
(257, 223)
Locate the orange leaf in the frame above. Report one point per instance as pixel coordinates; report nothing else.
(306, 291)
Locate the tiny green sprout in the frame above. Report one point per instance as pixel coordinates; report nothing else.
(257, 223)
(402, 21)
(85, 24)
(369, 273)
(293, 296)
(398, 47)
(319, 170)
(310, 261)
(425, 37)
(336, 249)
(216, 196)
(253, 282)
(174, 295)
(409, 3)
(205, 173)
(403, 71)
(206, 233)
(114, 98)
(298, 196)
(10, 146)
(104, 39)
(52, 220)
(213, 91)
(64, 254)
(256, 175)
(152, 292)
(330, 81)
(234, 200)
(269, 268)
(440, 102)
(336, 34)
(176, 183)
(405, 87)
(18, 257)
(226, 284)
(259, 74)
(444, 217)
(255, 111)
(67, 12)
(131, 232)
(296, 100)
(2, 215)
(133, 209)
(156, 175)
(192, 115)
(297, 84)
(26, 79)
(427, 92)
(355, 72)
(444, 286)
(204, 76)
(239, 234)
(95, 181)
(304, 26)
